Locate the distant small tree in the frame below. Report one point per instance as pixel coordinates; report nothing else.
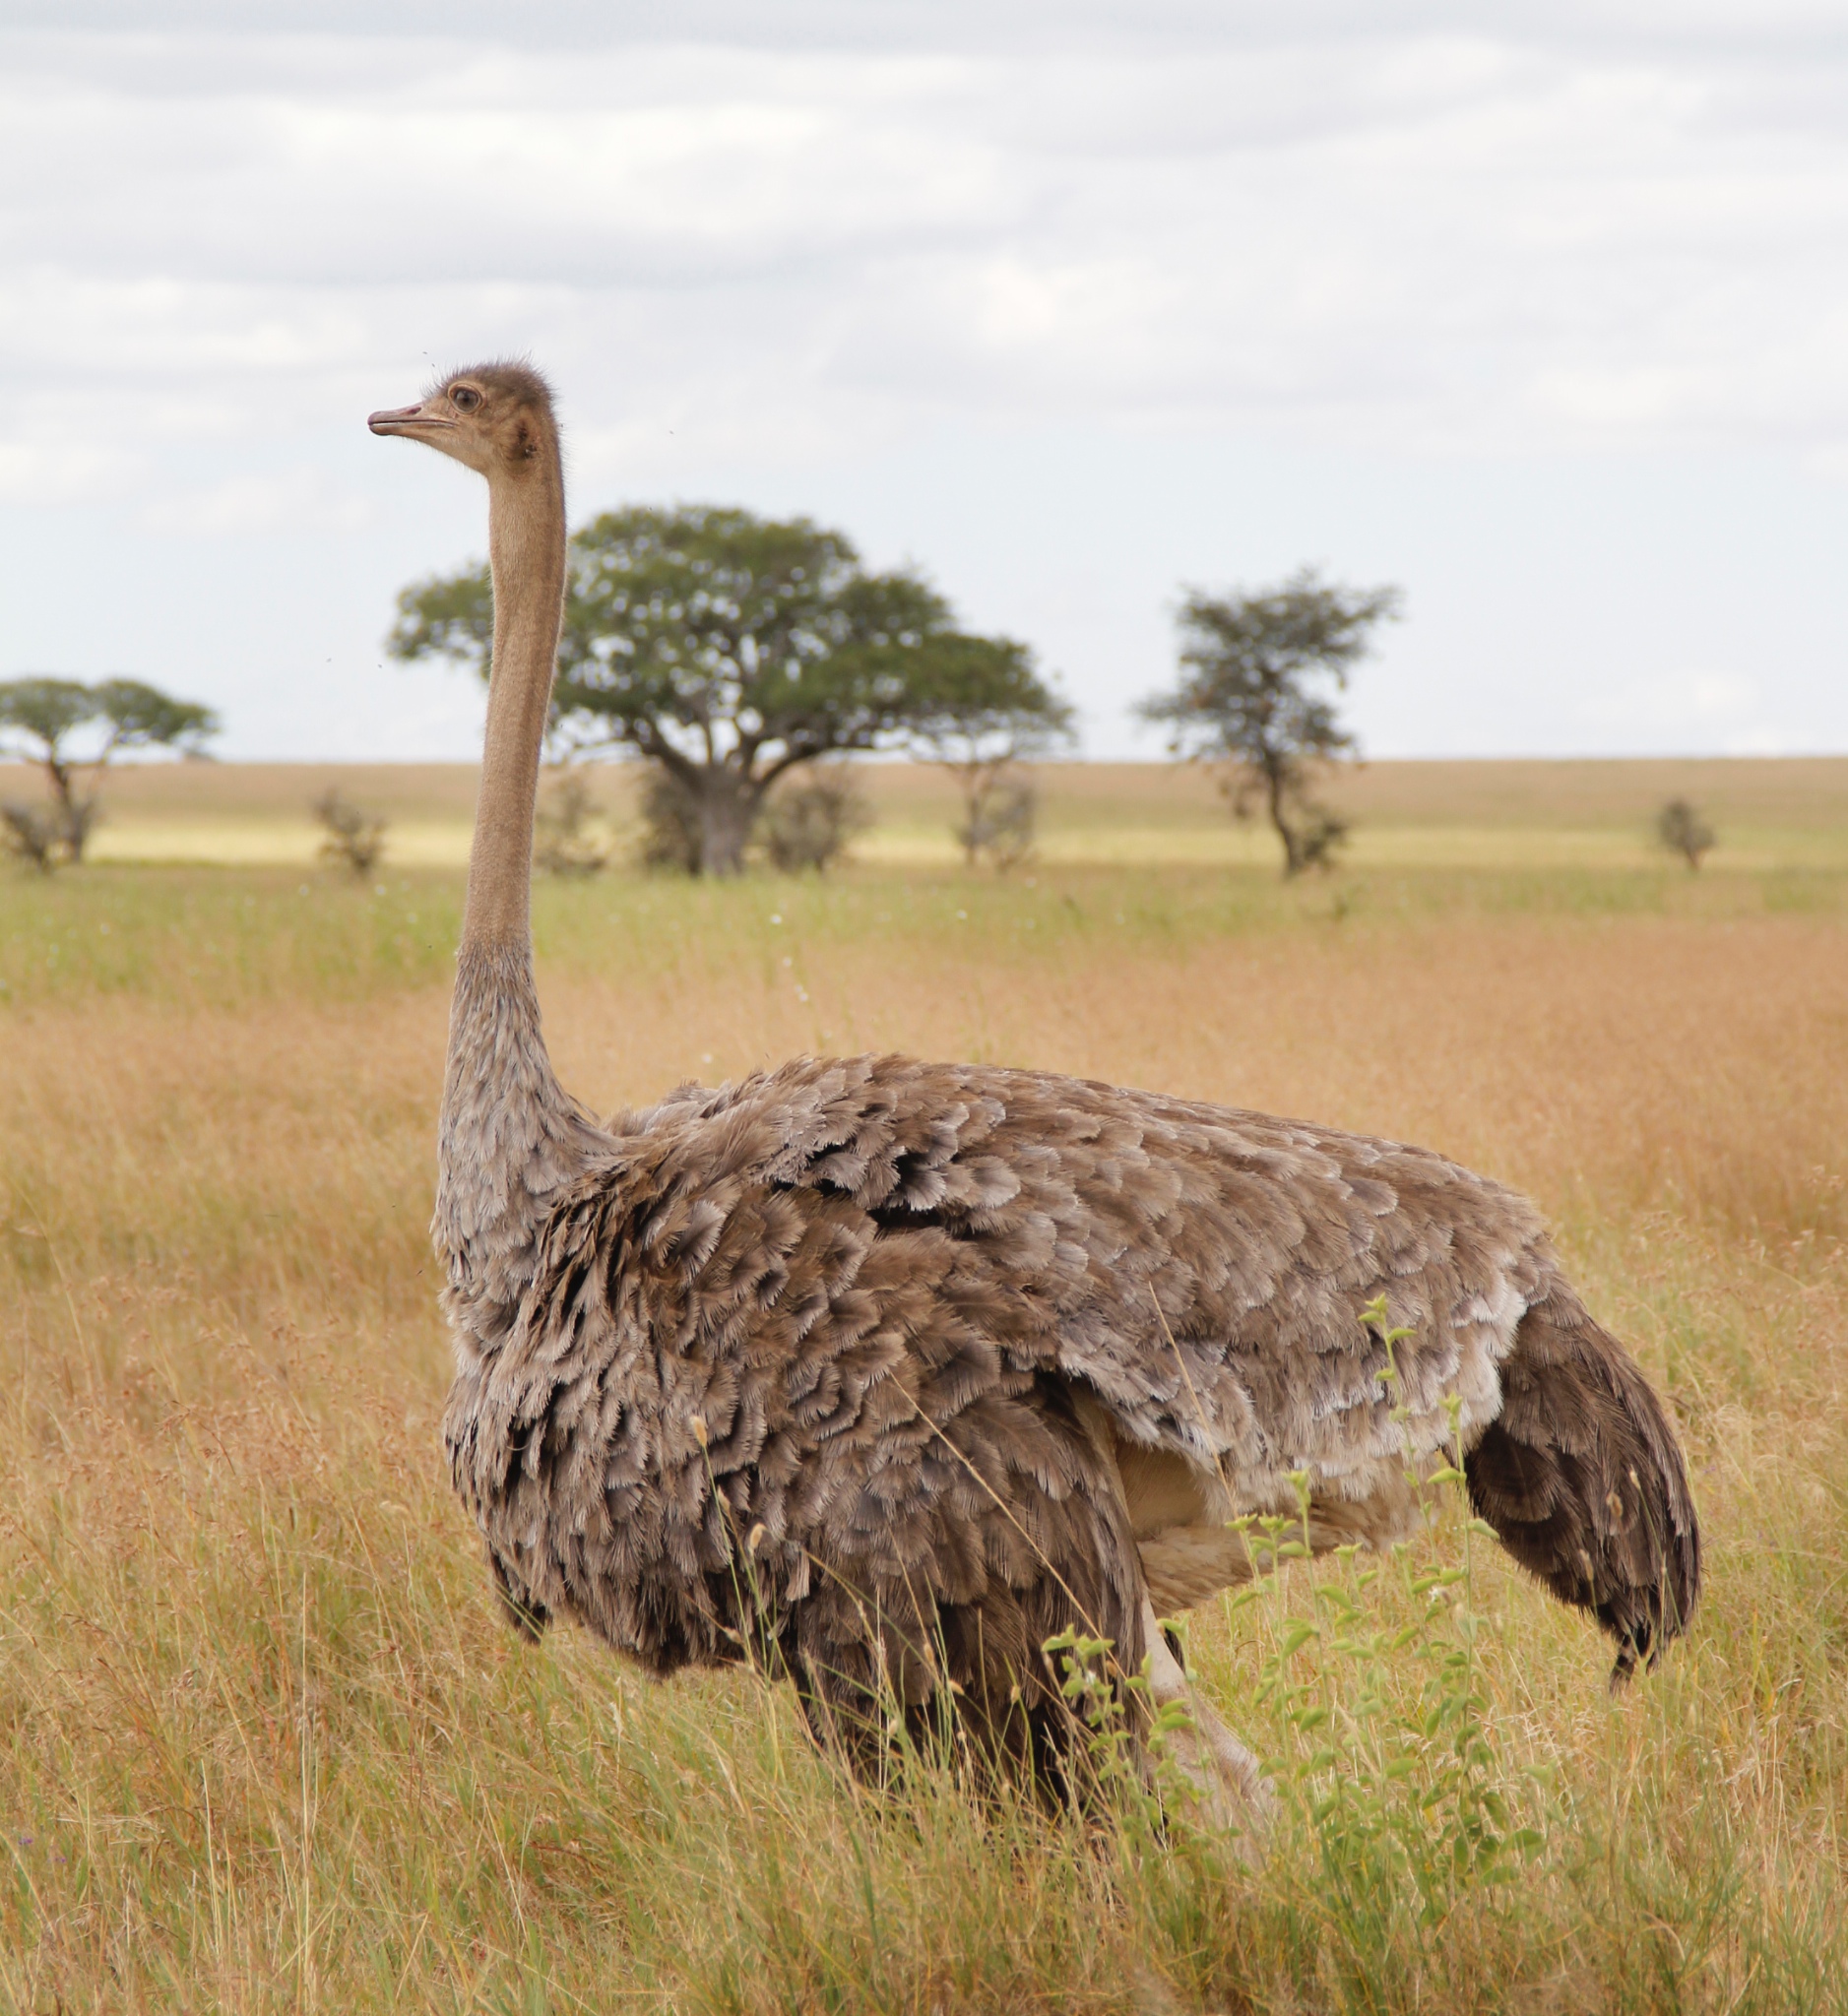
(563, 842)
(72, 731)
(354, 839)
(1683, 831)
(991, 711)
(1246, 698)
(809, 823)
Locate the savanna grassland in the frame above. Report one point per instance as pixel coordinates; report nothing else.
(265, 1744)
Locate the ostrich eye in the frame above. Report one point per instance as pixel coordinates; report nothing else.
(464, 398)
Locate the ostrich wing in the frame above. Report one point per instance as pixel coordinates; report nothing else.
(839, 1335)
(1202, 1270)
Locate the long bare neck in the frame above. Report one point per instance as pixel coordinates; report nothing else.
(510, 1136)
(526, 550)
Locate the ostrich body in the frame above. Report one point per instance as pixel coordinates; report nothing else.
(885, 1371)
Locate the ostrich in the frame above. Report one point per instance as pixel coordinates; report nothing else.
(883, 1372)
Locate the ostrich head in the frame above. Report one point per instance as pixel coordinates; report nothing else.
(497, 418)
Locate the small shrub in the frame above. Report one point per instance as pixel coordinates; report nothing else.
(809, 825)
(37, 833)
(1681, 829)
(1320, 839)
(354, 838)
(563, 842)
(1393, 1777)
(1396, 1798)
(1000, 823)
(670, 837)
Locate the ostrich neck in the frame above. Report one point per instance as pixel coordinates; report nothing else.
(509, 1135)
(526, 554)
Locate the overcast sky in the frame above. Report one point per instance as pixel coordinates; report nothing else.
(1540, 311)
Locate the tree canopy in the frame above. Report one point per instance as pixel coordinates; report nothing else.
(68, 727)
(1246, 698)
(729, 649)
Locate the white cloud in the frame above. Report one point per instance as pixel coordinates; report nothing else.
(792, 240)
(49, 473)
(1690, 711)
(1436, 239)
(290, 500)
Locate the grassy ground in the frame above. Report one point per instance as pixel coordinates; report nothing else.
(264, 1745)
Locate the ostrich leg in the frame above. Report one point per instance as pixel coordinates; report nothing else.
(1232, 1790)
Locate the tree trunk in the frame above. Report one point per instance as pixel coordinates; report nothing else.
(728, 810)
(1275, 784)
(76, 816)
(975, 790)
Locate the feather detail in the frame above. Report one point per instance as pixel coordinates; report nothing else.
(887, 1290)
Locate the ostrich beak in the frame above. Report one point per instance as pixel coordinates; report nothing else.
(404, 419)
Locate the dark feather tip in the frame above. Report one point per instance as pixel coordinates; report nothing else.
(1635, 1646)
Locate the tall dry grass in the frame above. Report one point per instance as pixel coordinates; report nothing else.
(264, 1745)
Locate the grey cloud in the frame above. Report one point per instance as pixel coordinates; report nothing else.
(952, 24)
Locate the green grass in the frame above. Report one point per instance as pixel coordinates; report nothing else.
(235, 935)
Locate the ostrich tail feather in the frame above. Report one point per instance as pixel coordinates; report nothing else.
(1582, 1478)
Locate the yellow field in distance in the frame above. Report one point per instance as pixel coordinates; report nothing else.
(1769, 812)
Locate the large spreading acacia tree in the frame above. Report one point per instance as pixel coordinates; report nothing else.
(72, 731)
(1247, 697)
(729, 649)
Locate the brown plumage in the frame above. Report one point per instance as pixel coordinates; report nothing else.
(884, 1372)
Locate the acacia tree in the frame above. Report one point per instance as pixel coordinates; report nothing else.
(725, 648)
(69, 730)
(1246, 699)
(990, 710)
